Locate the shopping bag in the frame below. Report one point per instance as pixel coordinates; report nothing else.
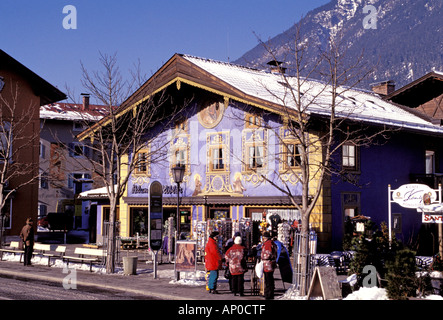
(259, 269)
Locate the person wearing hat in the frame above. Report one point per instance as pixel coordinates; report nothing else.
(236, 259)
(213, 261)
(269, 257)
(27, 236)
(230, 241)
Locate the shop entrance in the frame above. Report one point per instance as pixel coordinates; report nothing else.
(139, 222)
(185, 218)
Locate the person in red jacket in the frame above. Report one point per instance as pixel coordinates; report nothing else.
(213, 261)
(236, 260)
(269, 257)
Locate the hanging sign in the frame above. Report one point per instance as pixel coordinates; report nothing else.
(414, 195)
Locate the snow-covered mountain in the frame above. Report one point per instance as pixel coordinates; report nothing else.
(401, 39)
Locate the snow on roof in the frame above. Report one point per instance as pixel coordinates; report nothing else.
(72, 111)
(355, 104)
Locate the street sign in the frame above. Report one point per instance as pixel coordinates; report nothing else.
(155, 215)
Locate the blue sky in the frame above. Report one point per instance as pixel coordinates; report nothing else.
(32, 32)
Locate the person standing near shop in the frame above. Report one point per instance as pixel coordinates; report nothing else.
(269, 257)
(213, 261)
(27, 236)
(236, 260)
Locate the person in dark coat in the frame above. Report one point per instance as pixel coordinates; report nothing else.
(269, 258)
(27, 236)
(236, 259)
(213, 261)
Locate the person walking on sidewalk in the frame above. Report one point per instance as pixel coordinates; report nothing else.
(269, 257)
(27, 236)
(213, 261)
(236, 260)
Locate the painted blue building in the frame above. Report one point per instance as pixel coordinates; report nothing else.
(231, 137)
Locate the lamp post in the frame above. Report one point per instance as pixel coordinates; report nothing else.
(177, 173)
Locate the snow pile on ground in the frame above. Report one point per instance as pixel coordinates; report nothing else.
(373, 293)
(194, 279)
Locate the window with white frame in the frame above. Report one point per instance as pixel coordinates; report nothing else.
(217, 144)
(349, 157)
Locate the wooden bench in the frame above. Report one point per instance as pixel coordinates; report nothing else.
(47, 250)
(14, 248)
(86, 255)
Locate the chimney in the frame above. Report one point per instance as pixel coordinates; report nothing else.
(275, 67)
(383, 88)
(85, 105)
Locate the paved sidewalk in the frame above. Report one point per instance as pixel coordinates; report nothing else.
(141, 284)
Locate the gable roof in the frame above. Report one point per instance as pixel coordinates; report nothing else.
(270, 91)
(46, 91)
(419, 91)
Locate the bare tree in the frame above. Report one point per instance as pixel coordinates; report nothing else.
(123, 141)
(317, 123)
(18, 134)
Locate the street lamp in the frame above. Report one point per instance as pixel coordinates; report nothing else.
(178, 173)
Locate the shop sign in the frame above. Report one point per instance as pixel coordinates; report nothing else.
(414, 195)
(432, 218)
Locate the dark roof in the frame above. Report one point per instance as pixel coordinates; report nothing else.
(46, 91)
(419, 91)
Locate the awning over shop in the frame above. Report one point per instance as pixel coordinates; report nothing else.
(217, 200)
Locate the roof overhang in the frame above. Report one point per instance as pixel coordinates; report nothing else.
(176, 72)
(419, 91)
(47, 92)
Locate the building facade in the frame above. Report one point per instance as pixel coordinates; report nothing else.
(231, 136)
(22, 93)
(65, 170)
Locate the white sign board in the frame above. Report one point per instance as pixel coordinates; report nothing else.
(414, 195)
